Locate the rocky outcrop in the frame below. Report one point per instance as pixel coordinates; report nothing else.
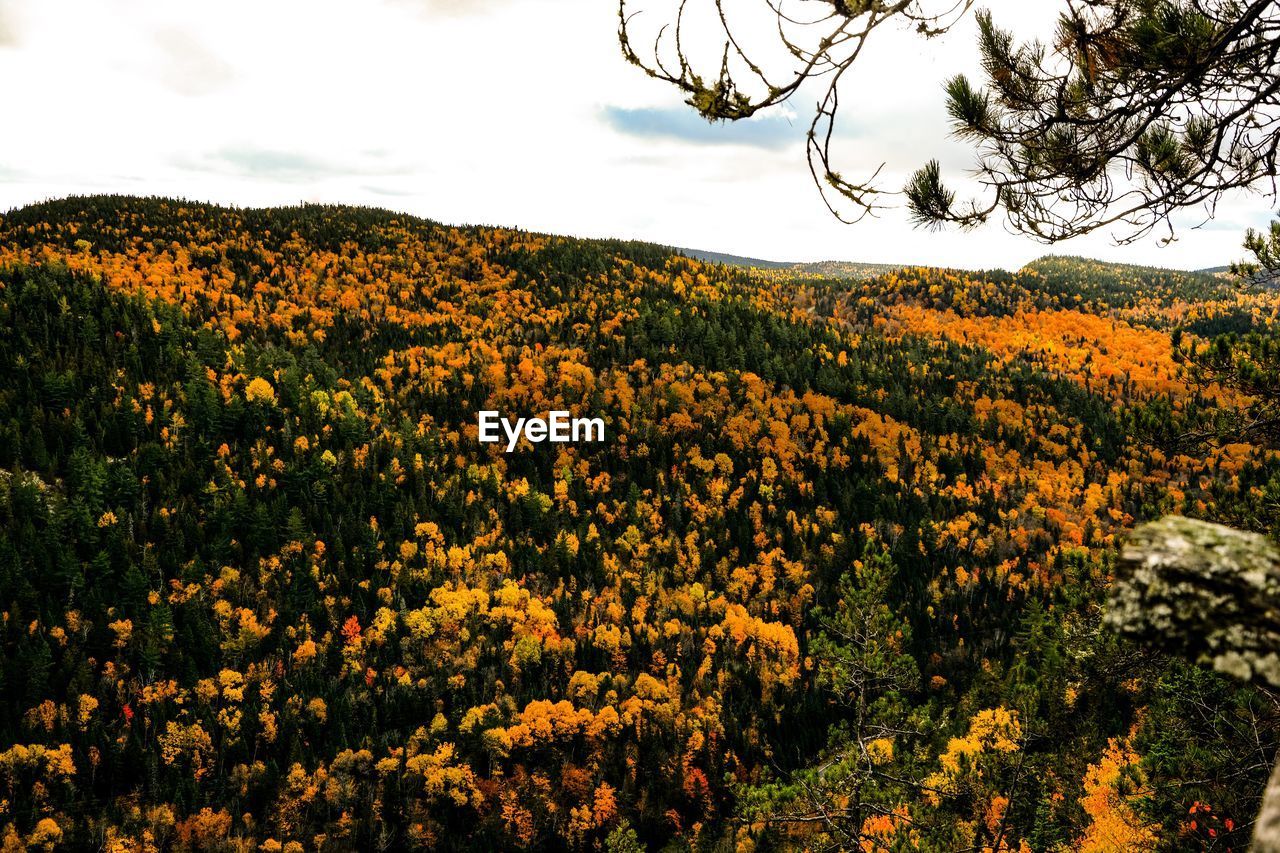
(1211, 594)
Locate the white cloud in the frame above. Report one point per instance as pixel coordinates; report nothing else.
(8, 24)
(188, 66)
(470, 8)
(491, 111)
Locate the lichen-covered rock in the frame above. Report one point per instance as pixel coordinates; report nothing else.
(1211, 594)
(1208, 592)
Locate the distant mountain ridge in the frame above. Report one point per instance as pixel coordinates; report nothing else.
(857, 269)
(733, 260)
(831, 269)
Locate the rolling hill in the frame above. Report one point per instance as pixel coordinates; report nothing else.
(833, 574)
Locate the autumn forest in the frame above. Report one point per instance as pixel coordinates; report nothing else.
(834, 581)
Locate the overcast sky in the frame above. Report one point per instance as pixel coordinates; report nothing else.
(508, 112)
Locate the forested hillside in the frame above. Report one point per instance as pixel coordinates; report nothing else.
(832, 582)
